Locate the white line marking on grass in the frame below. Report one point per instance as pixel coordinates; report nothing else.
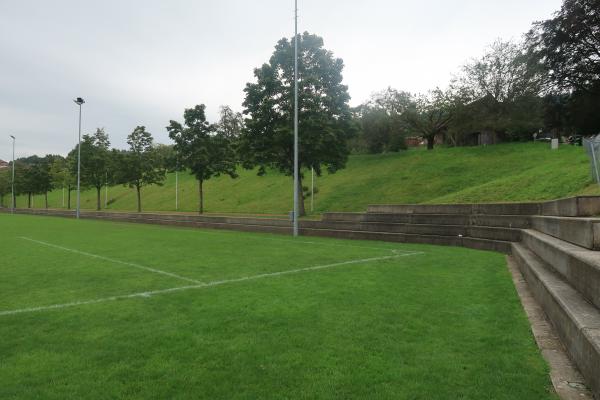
(83, 253)
(200, 285)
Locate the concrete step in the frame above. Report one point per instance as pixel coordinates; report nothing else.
(484, 232)
(583, 232)
(487, 238)
(576, 320)
(464, 209)
(579, 206)
(507, 221)
(578, 265)
(195, 222)
(475, 243)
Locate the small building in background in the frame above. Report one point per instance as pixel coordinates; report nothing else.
(4, 164)
(414, 141)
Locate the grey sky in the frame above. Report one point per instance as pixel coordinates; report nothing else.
(142, 62)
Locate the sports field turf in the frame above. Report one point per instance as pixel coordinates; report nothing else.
(99, 310)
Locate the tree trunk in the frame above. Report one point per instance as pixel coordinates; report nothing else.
(430, 142)
(2, 200)
(139, 199)
(29, 200)
(201, 194)
(301, 210)
(69, 198)
(98, 189)
(46, 199)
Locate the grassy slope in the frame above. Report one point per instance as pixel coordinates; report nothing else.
(427, 326)
(507, 172)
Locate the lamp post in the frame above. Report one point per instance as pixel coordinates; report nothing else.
(79, 101)
(296, 172)
(13, 177)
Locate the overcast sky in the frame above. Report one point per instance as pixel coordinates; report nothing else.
(142, 62)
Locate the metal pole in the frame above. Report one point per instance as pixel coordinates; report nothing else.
(176, 190)
(312, 189)
(63, 196)
(79, 166)
(13, 177)
(595, 162)
(106, 192)
(296, 172)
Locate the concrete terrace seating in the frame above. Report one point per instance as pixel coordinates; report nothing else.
(556, 245)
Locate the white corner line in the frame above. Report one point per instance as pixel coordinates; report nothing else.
(200, 285)
(112, 260)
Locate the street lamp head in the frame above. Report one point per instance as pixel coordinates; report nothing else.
(12, 137)
(79, 101)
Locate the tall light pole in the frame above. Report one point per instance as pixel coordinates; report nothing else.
(79, 101)
(296, 172)
(13, 177)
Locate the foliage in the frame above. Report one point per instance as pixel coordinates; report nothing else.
(499, 93)
(141, 165)
(504, 72)
(5, 186)
(324, 113)
(431, 114)
(568, 45)
(61, 172)
(230, 124)
(381, 122)
(95, 161)
(205, 153)
(167, 157)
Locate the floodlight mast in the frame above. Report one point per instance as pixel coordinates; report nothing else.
(79, 101)
(296, 172)
(12, 209)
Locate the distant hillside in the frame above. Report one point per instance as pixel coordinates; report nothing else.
(506, 172)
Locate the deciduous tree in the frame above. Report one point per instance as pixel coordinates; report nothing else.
(568, 45)
(200, 149)
(325, 122)
(95, 160)
(430, 114)
(142, 165)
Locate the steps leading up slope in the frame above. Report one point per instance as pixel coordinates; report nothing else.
(579, 266)
(576, 320)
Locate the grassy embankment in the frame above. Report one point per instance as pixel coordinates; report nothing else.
(506, 172)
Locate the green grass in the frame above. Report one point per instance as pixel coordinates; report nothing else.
(442, 324)
(506, 172)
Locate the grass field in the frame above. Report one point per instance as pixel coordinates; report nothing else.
(99, 310)
(506, 172)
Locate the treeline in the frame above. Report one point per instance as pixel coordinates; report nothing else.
(262, 138)
(143, 163)
(548, 83)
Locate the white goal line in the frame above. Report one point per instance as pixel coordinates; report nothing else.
(201, 285)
